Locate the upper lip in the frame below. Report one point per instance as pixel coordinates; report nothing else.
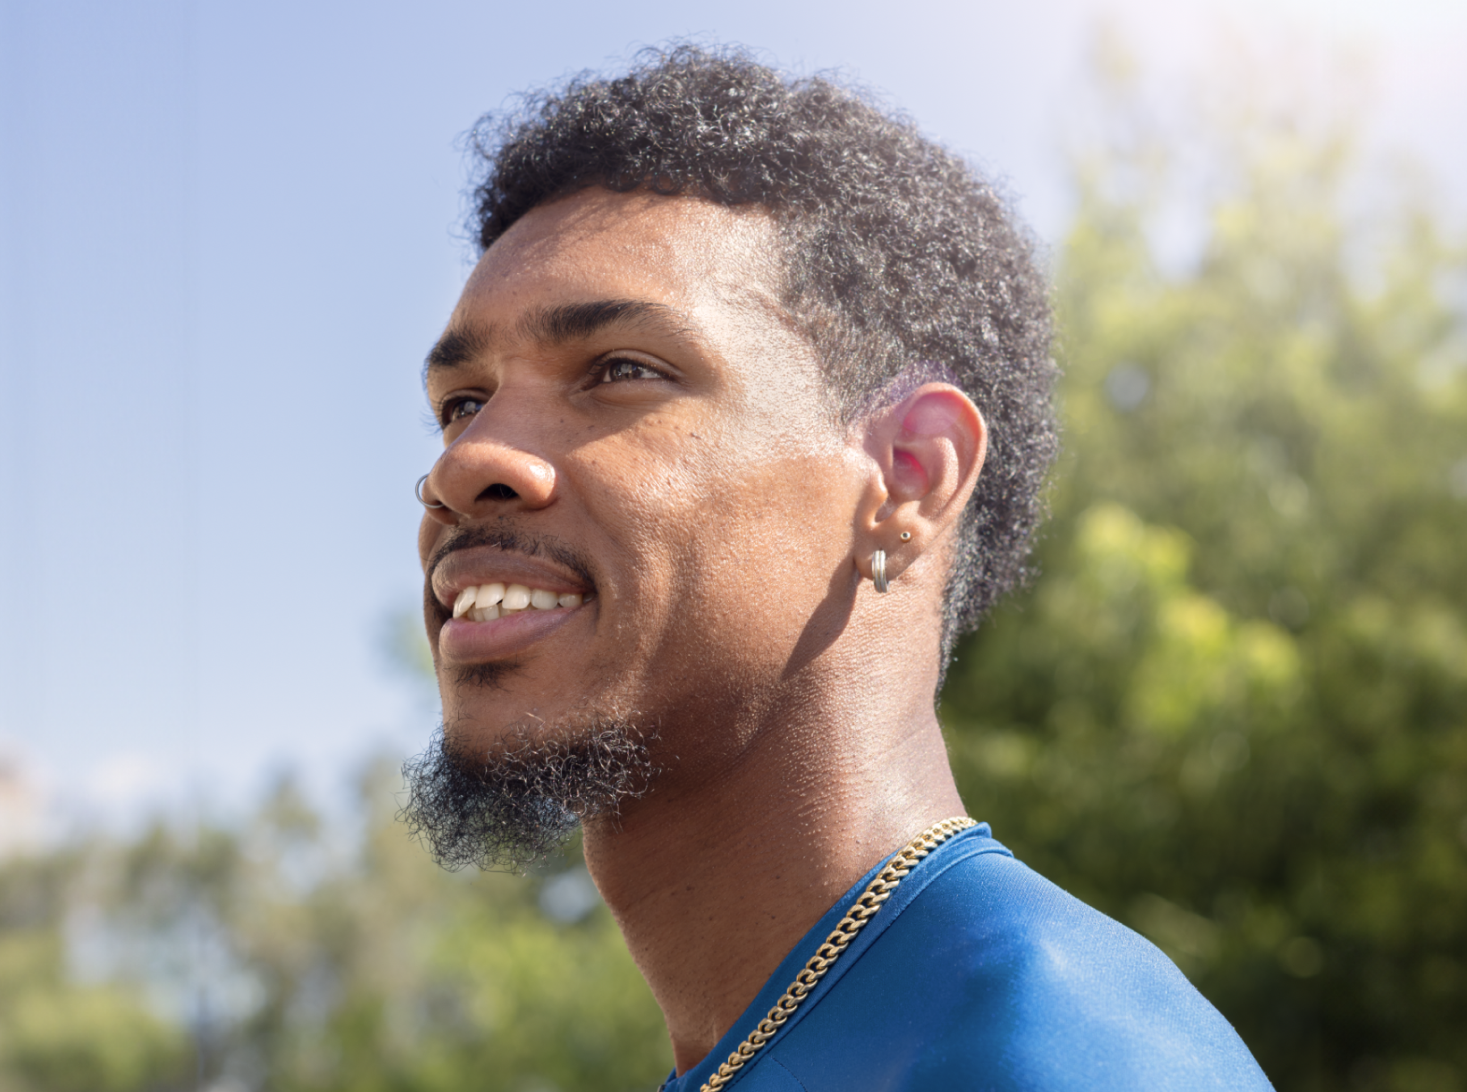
(475, 565)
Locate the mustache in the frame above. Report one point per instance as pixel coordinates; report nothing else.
(505, 536)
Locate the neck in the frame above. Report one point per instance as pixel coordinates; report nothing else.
(715, 880)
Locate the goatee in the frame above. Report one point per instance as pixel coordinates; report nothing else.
(513, 805)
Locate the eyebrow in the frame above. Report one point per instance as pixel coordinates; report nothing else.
(556, 325)
(456, 347)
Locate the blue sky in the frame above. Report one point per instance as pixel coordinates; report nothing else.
(228, 233)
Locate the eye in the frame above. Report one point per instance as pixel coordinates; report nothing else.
(455, 409)
(619, 369)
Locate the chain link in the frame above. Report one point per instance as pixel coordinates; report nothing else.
(862, 911)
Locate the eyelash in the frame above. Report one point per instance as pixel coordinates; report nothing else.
(449, 407)
(602, 368)
(447, 411)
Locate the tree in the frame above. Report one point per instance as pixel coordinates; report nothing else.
(58, 1034)
(1233, 710)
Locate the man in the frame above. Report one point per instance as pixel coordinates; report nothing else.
(746, 410)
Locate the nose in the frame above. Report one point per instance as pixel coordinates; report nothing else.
(490, 469)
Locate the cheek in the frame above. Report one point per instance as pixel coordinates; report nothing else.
(733, 545)
(694, 497)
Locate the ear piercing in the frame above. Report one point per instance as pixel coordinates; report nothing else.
(418, 492)
(878, 571)
(878, 565)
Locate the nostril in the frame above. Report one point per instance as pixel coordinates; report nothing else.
(499, 492)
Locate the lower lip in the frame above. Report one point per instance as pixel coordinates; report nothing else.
(462, 640)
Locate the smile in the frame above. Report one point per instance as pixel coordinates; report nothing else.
(486, 602)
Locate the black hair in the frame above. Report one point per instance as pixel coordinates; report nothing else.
(896, 252)
(513, 805)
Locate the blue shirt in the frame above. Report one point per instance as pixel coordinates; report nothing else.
(979, 974)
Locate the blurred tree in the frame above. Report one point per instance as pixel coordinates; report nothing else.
(289, 956)
(1233, 711)
(58, 1034)
(396, 975)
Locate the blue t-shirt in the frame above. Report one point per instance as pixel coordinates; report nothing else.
(979, 974)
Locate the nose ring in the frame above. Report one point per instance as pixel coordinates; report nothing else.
(418, 492)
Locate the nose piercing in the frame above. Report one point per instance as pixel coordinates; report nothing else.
(418, 492)
(878, 571)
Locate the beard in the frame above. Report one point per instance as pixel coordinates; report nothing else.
(515, 804)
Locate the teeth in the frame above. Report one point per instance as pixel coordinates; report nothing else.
(486, 602)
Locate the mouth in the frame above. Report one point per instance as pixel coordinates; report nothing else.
(487, 602)
(495, 606)
(512, 618)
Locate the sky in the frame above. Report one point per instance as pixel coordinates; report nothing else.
(228, 235)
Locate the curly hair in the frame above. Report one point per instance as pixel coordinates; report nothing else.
(896, 253)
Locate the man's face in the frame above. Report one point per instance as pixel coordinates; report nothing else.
(629, 415)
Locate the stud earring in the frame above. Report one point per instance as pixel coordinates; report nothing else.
(878, 571)
(905, 536)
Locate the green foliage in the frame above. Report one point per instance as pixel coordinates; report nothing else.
(302, 962)
(399, 976)
(1233, 712)
(57, 1035)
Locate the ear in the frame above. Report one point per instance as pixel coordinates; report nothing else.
(928, 451)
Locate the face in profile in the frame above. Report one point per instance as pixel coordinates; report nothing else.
(649, 496)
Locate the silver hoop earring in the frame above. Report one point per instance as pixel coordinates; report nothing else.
(878, 571)
(418, 492)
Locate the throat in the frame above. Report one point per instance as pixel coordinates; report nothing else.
(708, 927)
(712, 895)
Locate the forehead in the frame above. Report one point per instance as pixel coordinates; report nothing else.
(715, 266)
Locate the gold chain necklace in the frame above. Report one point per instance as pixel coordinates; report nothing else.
(864, 909)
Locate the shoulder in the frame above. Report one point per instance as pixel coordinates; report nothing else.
(994, 978)
(1066, 996)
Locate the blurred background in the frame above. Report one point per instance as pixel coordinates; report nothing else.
(1233, 712)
